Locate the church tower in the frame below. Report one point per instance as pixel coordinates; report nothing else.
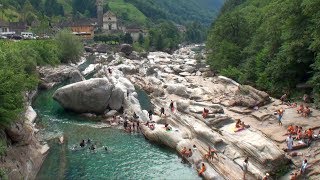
(100, 13)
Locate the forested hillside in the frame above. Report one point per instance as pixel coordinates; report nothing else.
(179, 11)
(271, 44)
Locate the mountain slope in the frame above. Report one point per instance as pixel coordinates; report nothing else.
(179, 11)
(138, 11)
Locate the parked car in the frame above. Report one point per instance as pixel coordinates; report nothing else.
(14, 36)
(27, 35)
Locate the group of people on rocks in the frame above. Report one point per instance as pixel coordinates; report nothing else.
(305, 111)
(188, 153)
(302, 170)
(296, 132)
(131, 125)
(302, 109)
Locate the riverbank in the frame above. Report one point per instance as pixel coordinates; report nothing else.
(185, 79)
(180, 77)
(25, 153)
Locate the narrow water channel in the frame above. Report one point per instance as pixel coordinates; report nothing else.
(129, 156)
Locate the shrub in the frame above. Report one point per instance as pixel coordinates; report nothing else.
(70, 46)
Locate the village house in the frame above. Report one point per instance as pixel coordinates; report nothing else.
(135, 32)
(83, 28)
(18, 27)
(4, 26)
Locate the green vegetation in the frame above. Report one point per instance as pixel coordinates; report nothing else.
(3, 147)
(127, 12)
(109, 39)
(195, 33)
(179, 11)
(71, 47)
(272, 44)
(3, 174)
(18, 73)
(164, 37)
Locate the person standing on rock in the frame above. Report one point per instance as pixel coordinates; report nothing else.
(284, 98)
(304, 166)
(109, 70)
(161, 111)
(171, 106)
(150, 114)
(289, 142)
(266, 177)
(280, 114)
(245, 167)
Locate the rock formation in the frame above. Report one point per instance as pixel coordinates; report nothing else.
(174, 77)
(91, 96)
(25, 154)
(51, 76)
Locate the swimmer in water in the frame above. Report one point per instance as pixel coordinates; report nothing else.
(92, 147)
(82, 144)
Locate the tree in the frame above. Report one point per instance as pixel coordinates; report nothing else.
(127, 38)
(141, 39)
(273, 45)
(82, 6)
(195, 33)
(71, 47)
(53, 8)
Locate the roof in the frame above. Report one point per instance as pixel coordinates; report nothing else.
(18, 25)
(78, 22)
(134, 30)
(108, 14)
(3, 23)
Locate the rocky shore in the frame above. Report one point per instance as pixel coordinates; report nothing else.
(184, 78)
(25, 153)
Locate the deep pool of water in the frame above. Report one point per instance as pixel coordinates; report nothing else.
(129, 156)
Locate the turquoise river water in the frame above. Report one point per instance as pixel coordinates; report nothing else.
(129, 156)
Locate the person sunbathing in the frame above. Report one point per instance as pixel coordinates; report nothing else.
(291, 129)
(211, 153)
(306, 112)
(188, 153)
(294, 105)
(151, 126)
(300, 109)
(205, 113)
(309, 134)
(238, 123)
(299, 133)
(168, 128)
(296, 128)
(183, 151)
(202, 170)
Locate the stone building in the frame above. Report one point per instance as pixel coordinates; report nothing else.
(110, 22)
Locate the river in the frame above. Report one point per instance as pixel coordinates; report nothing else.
(129, 156)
